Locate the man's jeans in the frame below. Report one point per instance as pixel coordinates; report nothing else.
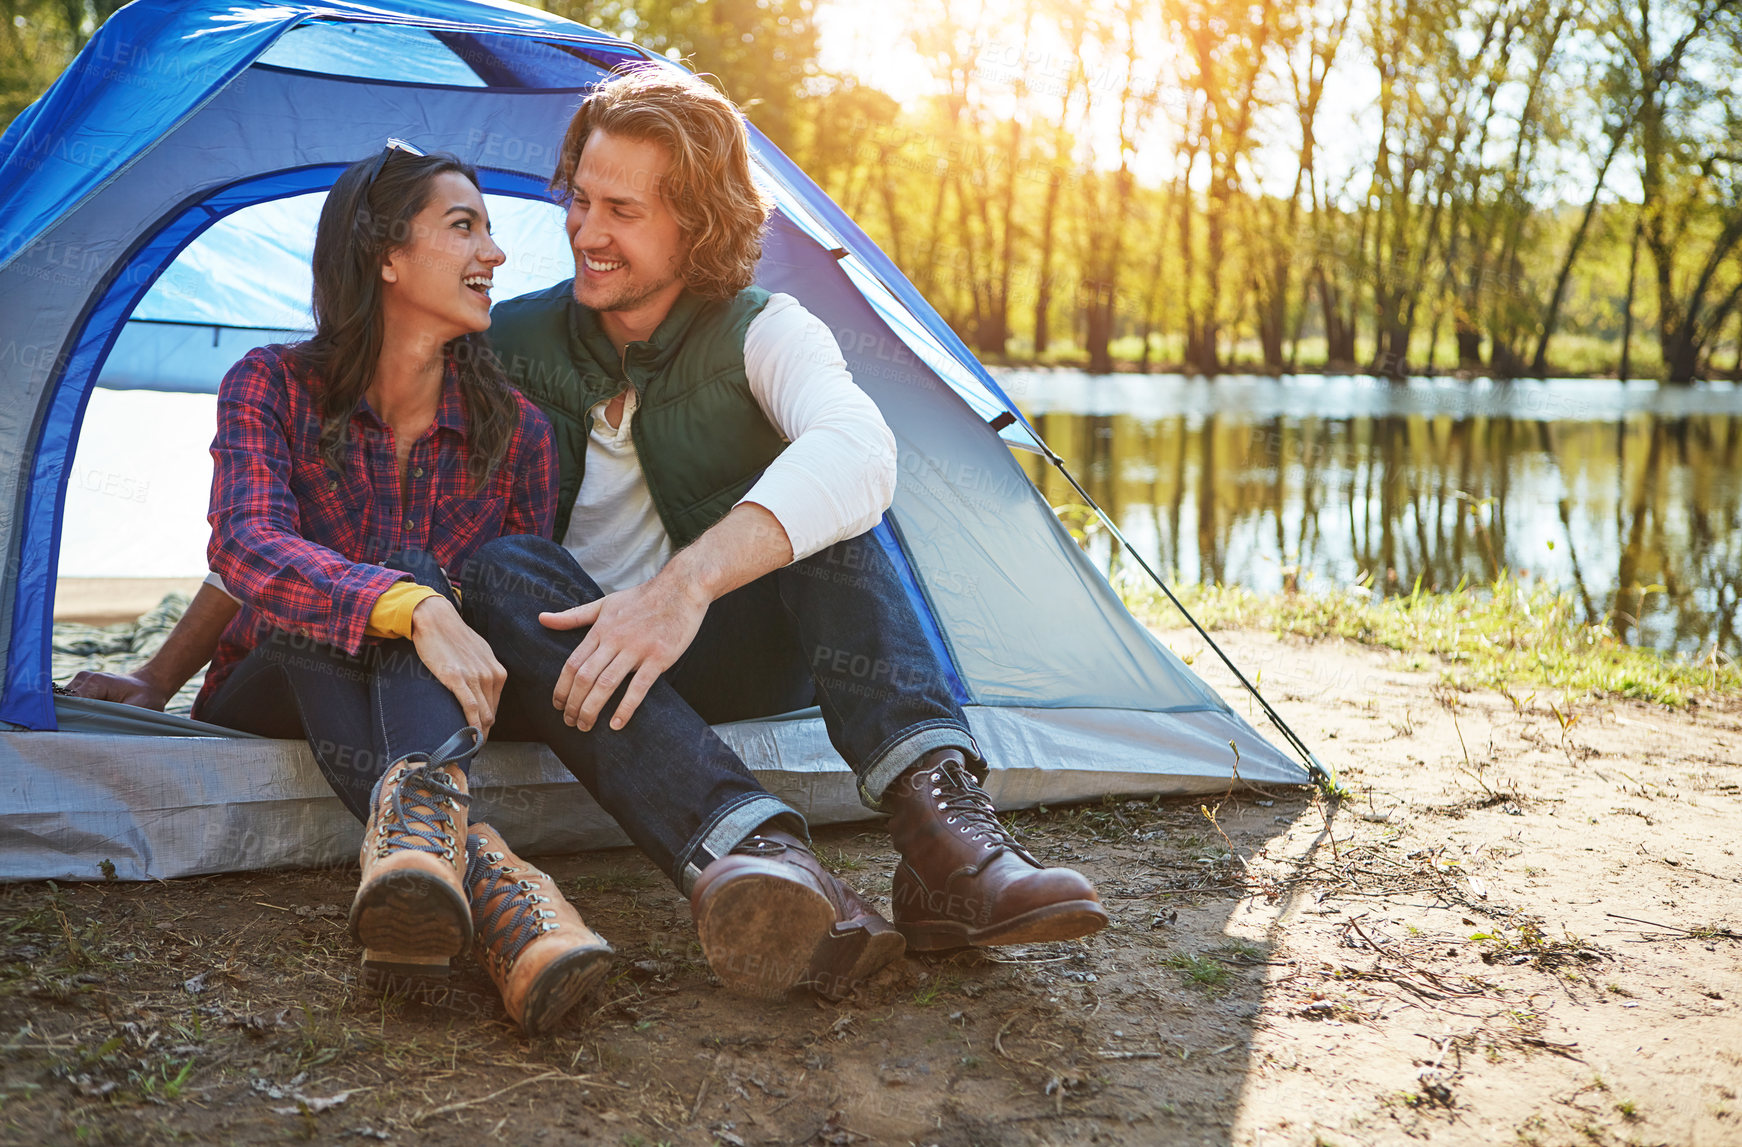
(360, 714)
(836, 630)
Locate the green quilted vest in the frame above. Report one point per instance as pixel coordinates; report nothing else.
(701, 436)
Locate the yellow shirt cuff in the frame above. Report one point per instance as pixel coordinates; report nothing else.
(391, 616)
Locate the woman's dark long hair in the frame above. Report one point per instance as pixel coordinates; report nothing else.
(360, 224)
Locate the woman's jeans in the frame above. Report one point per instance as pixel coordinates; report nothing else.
(360, 714)
(836, 630)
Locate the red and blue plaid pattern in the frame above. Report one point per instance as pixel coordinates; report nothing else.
(300, 544)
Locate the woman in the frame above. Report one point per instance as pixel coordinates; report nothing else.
(351, 472)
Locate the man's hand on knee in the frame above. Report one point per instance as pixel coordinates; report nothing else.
(636, 635)
(639, 633)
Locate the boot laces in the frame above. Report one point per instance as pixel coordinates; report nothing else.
(419, 812)
(965, 804)
(517, 919)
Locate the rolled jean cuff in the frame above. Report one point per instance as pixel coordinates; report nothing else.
(905, 750)
(730, 825)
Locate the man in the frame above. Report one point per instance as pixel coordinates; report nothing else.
(719, 475)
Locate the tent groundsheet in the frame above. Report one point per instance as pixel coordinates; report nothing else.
(183, 804)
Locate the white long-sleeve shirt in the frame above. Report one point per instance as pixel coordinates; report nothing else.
(832, 482)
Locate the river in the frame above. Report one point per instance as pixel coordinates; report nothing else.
(1627, 495)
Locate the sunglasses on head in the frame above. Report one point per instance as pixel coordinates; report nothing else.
(393, 144)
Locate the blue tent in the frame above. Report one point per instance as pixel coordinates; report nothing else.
(159, 152)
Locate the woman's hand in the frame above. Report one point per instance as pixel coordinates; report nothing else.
(459, 658)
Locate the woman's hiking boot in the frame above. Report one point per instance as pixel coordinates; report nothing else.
(963, 878)
(410, 912)
(532, 941)
(771, 918)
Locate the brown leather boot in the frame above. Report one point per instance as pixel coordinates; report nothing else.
(963, 878)
(531, 940)
(772, 918)
(410, 912)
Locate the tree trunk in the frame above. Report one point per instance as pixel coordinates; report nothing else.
(1054, 184)
(1627, 307)
(1273, 317)
(1469, 342)
(997, 333)
(1646, 113)
(1043, 287)
(1339, 326)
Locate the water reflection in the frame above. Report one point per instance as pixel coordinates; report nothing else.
(1630, 496)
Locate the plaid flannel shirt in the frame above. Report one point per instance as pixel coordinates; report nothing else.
(300, 545)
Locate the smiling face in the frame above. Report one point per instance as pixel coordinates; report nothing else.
(440, 280)
(628, 247)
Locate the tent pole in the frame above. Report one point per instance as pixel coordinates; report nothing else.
(1325, 778)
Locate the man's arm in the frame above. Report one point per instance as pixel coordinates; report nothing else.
(189, 646)
(837, 476)
(639, 633)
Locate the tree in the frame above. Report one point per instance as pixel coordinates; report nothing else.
(1309, 46)
(1691, 180)
(38, 38)
(1630, 90)
(762, 53)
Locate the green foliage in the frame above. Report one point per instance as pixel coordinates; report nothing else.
(761, 53)
(38, 38)
(1079, 520)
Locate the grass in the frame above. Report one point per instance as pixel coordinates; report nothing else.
(1241, 952)
(1114, 820)
(936, 986)
(1206, 973)
(1500, 635)
(162, 1085)
(838, 860)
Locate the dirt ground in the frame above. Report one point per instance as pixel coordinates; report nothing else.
(1520, 925)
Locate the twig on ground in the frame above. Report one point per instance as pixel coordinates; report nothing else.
(998, 1040)
(447, 1108)
(1700, 933)
(1561, 1049)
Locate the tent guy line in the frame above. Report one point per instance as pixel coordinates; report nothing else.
(1326, 778)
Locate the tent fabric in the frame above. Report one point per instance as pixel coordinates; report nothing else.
(152, 64)
(189, 802)
(169, 156)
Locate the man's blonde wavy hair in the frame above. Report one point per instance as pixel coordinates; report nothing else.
(719, 209)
